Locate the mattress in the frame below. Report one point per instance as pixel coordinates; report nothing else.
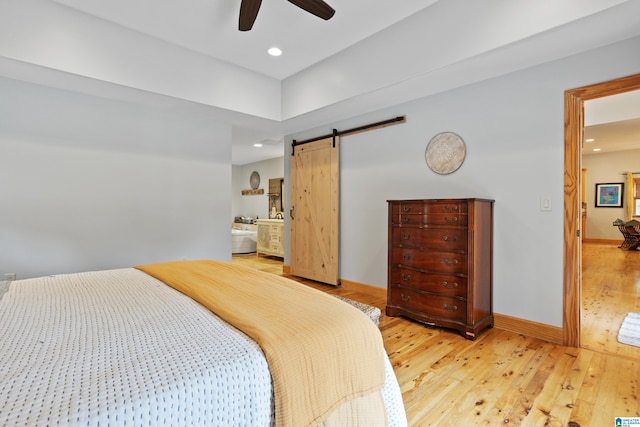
(118, 347)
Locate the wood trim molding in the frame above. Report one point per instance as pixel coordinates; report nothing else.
(363, 287)
(528, 328)
(604, 241)
(573, 130)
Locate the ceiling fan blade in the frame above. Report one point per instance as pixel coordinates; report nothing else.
(248, 13)
(316, 7)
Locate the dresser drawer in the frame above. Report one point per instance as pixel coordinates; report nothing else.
(442, 284)
(408, 207)
(450, 207)
(430, 238)
(443, 262)
(449, 308)
(450, 219)
(408, 219)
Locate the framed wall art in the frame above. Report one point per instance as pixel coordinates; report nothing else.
(609, 195)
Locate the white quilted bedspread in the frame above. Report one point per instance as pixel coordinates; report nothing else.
(119, 348)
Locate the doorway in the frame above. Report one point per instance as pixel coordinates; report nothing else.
(574, 128)
(610, 275)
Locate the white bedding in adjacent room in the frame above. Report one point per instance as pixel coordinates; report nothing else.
(119, 347)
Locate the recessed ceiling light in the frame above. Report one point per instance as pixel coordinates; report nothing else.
(274, 51)
(589, 140)
(257, 145)
(596, 149)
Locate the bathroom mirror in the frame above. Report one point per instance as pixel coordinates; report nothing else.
(276, 187)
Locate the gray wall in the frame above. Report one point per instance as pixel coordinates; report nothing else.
(254, 205)
(605, 168)
(513, 127)
(88, 183)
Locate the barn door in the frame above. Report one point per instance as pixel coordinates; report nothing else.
(315, 195)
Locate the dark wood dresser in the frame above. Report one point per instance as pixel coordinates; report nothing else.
(440, 262)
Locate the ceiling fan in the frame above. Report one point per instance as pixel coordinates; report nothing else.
(249, 11)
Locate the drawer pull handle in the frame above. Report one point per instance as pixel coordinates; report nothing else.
(450, 309)
(406, 208)
(406, 219)
(448, 285)
(406, 277)
(454, 219)
(453, 239)
(450, 261)
(406, 236)
(406, 257)
(405, 298)
(450, 208)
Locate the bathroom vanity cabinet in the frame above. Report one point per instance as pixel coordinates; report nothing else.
(270, 239)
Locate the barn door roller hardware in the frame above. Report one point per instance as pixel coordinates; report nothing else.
(335, 133)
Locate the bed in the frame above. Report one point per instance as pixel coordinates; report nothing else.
(124, 347)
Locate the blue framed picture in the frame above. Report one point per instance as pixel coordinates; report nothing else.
(609, 195)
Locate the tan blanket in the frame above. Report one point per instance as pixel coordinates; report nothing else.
(321, 351)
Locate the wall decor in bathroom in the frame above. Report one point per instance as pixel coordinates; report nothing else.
(254, 182)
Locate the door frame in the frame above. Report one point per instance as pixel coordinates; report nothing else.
(573, 136)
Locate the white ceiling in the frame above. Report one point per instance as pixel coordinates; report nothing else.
(613, 123)
(211, 27)
(371, 55)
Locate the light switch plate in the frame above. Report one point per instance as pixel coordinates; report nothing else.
(545, 203)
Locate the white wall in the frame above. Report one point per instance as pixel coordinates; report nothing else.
(88, 183)
(57, 37)
(513, 127)
(254, 205)
(430, 52)
(605, 168)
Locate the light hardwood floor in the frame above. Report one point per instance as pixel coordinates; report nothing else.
(610, 290)
(507, 379)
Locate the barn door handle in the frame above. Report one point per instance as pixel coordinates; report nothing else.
(291, 212)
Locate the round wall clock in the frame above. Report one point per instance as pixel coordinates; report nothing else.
(445, 153)
(254, 180)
